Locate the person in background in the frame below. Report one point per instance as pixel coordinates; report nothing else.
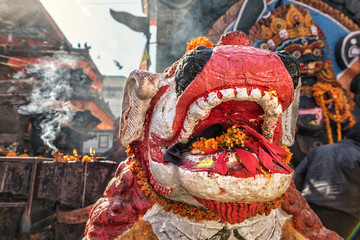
(329, 179)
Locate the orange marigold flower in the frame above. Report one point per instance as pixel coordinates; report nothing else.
(153, 198)
(86, 158)
(176, 210)
(324, 94)
(141, 182)
(200, 41)
(129, 150)
(183, 212)
(286, 158)
(147, 191)
(23, 155)
(11, 154)
(135, 166)
(167, 208)
(141, 175)
(233, 137)
(161, 201)
(66, 158)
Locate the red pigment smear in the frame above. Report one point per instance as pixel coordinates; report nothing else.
(232, 212)
(220, 165)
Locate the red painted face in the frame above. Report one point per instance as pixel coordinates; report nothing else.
(237, 67)
(236, 85)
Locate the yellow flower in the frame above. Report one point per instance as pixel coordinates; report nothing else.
(233, 137)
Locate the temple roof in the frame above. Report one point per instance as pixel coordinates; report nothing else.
(31, 44)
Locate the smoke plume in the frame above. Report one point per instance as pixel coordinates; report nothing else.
(48, 98)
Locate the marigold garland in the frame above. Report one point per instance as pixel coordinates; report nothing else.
(129, 150)
(184, 209)
(200, 41)
(180, 208)
(324, 94)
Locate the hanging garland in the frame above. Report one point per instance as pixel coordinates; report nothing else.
(325, 94)
(180, 208)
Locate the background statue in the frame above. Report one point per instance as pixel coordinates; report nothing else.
(325, 108)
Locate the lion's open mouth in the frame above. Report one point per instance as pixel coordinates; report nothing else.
(252, 111)
(259, 109)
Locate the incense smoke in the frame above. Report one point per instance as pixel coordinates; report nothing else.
(48, 98)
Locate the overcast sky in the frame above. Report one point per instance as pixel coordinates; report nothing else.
(90, 21)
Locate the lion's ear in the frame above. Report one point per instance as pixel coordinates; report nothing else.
(140, 88)
(289, 116)
(292, 66)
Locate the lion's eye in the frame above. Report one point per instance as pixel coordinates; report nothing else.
(296, 53)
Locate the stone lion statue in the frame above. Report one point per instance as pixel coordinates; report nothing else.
(207, 145)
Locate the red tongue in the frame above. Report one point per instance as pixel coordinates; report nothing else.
(248, 160)
(220, 165)
(267, 153)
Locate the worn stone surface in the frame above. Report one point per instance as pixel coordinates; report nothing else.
(12, 125)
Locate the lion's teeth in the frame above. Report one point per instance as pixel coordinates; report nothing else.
(186, 124)
(196, 112)
(201, 108)
(266, 97)
(227, 94)
(203, 104)
(241, 94)
(213, 99)
(184, 137)
(273, 103)
(255, 94)
(278, 110)
(268, 127)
